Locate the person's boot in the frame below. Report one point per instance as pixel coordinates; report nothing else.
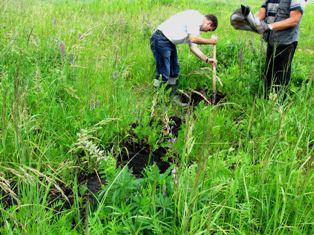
(157, 83)
(173, 85)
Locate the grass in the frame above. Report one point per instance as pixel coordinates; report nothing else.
(75, 74)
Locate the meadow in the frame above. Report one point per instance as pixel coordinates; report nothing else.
(76, 87)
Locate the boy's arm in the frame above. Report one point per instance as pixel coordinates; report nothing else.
(196, 51)
(200, 40)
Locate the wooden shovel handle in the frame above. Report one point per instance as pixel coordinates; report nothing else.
(214, 71)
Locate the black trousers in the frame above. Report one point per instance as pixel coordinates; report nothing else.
(278, 67)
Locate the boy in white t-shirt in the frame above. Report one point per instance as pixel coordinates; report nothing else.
(184, 27)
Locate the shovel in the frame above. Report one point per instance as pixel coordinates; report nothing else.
(215, 77)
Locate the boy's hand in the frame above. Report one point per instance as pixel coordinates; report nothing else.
(211, 61)
(213, 39)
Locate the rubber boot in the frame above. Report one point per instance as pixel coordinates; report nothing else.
(173, 85)
(157, 83)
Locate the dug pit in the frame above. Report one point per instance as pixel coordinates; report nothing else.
(136, 153)
(194, 97)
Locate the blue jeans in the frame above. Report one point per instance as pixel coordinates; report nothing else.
(166, 57)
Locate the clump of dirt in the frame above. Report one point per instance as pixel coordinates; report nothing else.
(175, 125)
(63, 197)
(138, 156)
(93, 184)
(137, 153)
(196, 96)
(172, 127)
(63, 193)
(218, 98)
(7, 199)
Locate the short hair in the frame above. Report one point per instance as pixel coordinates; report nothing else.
(213, 19)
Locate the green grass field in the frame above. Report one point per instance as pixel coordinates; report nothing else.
(76, 74)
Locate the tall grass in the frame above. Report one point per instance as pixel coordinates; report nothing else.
(244, 166)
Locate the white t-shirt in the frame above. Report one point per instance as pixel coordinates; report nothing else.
(179, 26)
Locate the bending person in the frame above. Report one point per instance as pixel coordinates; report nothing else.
(184, 27)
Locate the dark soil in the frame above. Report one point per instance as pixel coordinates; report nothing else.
(196, 96)
(86, 197)
(171, 129)
(93, 185)
(137, 153)
(175, 125)
(218, 98)
(6, 199)
(93, 182)
(56, 195)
